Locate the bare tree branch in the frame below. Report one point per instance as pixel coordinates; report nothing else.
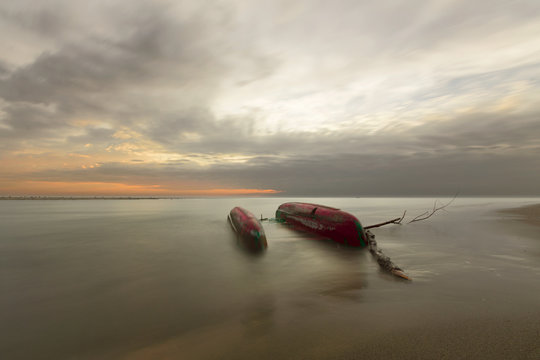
(393, 221)
(419, 216)
(423, 216)
(427, 214)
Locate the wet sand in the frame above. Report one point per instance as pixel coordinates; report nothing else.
(529, 214)
(482, 338)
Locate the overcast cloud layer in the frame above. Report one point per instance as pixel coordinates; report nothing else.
(318, 98)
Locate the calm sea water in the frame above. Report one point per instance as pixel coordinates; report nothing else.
(118, 278)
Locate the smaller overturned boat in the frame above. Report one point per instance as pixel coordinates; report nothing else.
(325, 221)
(248, 228)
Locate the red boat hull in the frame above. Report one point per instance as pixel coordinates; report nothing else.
(248, 228)
(325, 221)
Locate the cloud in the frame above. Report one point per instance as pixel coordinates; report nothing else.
(473, 155)
(147, 63)
(310, 97)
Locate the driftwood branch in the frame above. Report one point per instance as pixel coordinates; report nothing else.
(393, 221)
(384, 261)
(428, 214)
(423, 216)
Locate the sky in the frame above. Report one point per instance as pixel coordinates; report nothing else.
(288, 98)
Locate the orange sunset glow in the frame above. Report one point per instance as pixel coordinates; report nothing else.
(45, 188)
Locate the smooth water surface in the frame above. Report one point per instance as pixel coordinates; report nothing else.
(140, 278)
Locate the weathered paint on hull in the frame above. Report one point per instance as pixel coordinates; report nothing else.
(248, 228)
(325, 221)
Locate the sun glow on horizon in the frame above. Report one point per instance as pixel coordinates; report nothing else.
(58, 188)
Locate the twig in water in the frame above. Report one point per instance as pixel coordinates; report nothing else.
(393, 221)
(423, 216)
(427, 214)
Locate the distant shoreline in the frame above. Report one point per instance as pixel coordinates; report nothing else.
(280, 196)
(82, 198)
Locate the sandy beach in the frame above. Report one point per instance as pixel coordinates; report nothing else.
(529, 214)
(482, 338)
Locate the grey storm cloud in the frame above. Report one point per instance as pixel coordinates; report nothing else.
(460, 161)
(161, 69)
(347, 175)
(111, 75)
(145, 49)
(148, 48)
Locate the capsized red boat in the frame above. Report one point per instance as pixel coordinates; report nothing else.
(248, 228)
(325, 221)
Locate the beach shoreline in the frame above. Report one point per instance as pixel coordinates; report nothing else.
(529, 214)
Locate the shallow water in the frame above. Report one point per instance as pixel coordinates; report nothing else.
(128, 278)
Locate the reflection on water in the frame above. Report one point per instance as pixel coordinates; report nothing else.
(150, 278)
(346, 288)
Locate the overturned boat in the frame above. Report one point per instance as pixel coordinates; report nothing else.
(325, 221)
(337, 225)
(248, 228)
